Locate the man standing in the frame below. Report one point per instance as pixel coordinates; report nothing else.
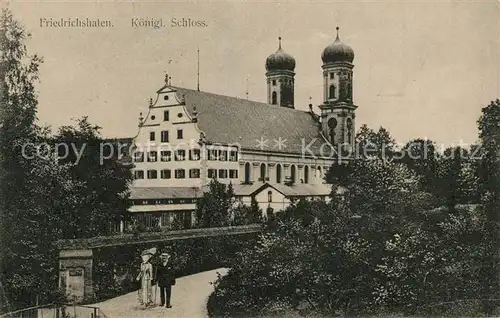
(166, 279)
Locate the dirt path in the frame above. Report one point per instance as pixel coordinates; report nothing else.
(189, 299)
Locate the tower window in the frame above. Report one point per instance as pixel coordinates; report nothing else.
(269, 196)
(164, 136)
(274, 82)
(274, 98)
(152, 136)
(332, 75)
(331, 92)
(165, 115)
(179, 134)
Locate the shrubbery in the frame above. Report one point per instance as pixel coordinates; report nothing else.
(382, 248)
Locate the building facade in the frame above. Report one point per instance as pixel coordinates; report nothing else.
(270, 151)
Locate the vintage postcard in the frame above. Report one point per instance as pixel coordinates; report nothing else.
(249, 159)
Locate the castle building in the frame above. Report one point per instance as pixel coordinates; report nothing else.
(270, 151)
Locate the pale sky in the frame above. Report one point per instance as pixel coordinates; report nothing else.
(422, 69)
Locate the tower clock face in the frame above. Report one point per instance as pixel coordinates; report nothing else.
(332, 123)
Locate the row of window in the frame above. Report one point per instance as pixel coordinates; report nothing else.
(164, 135)
(162, 201)
(180, 155)
(181, 174)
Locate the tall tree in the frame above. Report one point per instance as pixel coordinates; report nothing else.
(420, 156)
(489, 133)
(23, 236)
(214, 208)
(100, 202)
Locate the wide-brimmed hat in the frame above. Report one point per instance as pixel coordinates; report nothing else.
(151, 251)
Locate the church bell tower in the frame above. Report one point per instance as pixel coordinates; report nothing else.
(337, 110)
(280, 75)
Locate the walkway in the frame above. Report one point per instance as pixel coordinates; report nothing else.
(189, 299)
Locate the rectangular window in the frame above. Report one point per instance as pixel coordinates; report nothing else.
(166, 155)
(194, 154)
(180, 173)
(194, 173)
(164, 136)
(166, 174)
(180, 155)
(274, 82)
(179, 134)
(165, 115)
(223, 155)
(152, 174)
(233, 174)
(138, 174)
(152, 156)
(152, 136)
(332, 75)
(213, 154)
(233, 156)
(138, 156)
(222, 173)
(212, 173)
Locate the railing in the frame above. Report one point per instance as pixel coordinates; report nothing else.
(57, 311)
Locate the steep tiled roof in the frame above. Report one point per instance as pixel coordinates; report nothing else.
(231, 120)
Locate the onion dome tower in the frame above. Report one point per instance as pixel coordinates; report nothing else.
(337, 111)
(280, 75)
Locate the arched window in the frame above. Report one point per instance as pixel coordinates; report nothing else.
(263, 171)
(274, 98)
(331, 92)
(269, 196)
(278, 173)
(332, 123)
(247, 172)
(306, 174)
(349, 130)
(292, 173)
(318, 173)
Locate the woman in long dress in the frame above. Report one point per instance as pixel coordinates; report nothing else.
(145, 277)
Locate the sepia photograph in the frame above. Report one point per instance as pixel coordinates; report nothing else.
(249, 159)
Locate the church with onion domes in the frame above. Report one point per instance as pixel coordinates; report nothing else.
(267, 150)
